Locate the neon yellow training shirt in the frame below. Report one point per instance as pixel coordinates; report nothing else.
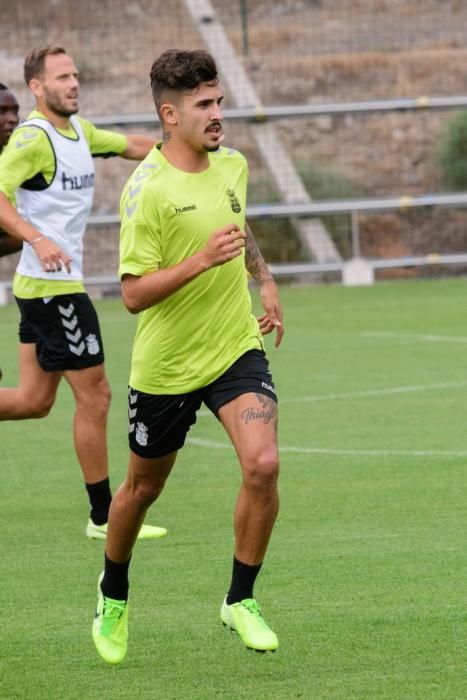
(189, 339)
(33, 157)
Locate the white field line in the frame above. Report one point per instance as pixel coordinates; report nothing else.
(212, 445)
(415, 336)
(365, 393)
(411, 388)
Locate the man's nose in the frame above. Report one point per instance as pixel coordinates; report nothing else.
(217, 114)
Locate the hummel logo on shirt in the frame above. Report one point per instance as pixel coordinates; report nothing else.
(26, 136)
(74, 182)
(268, 387)
(181, 210)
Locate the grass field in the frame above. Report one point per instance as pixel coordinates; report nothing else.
(365, 577)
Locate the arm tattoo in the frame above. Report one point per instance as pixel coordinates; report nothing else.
(254, 261)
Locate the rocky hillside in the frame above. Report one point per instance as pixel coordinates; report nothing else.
(296, 51)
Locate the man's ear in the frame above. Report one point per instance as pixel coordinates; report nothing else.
(35, 87)
(168, 113)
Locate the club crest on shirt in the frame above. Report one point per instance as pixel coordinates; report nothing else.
(92, 344)
(141, 434)
(234, 203)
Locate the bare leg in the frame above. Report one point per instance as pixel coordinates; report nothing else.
(35, 394)
(92, 397)
(251, 422)
(142, 486)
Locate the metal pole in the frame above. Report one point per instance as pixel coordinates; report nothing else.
(355, 234)
(244, 15)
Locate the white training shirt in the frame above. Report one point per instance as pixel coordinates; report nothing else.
(59, 210)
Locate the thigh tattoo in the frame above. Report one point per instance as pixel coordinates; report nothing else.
(265, 414)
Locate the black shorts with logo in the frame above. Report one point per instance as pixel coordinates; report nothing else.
(158, 423)
(65, 330)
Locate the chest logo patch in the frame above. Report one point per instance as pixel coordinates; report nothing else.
(234, 203)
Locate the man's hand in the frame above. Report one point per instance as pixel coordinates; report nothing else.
(273, 316)
(224, 245)
(51, 257)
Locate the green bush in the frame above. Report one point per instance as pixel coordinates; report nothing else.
(277, 238)
(325, 183)
(452, 153)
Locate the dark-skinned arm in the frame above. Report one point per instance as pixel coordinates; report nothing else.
(9, 244)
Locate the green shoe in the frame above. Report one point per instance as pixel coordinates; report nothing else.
(246, 619)
(147, 532)
(110, 627)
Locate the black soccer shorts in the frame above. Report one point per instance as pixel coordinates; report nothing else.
(65, 329)
(158, 424)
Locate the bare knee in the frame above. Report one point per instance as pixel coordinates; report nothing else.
(105, 395)
(42, 409)
(96, 399)
(261, 471)
(146, 492)
(35, 405)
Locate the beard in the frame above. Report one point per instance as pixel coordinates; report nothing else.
(55, 104)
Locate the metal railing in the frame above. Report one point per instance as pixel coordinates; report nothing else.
(341, 206)
(321, 208)
(353, 207)
(262, 113)
(332, 206)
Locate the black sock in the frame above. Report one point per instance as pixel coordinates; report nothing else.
(115, 582)
(243, 580)
(100, 497)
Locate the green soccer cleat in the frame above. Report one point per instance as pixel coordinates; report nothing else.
(110, 627)
(147, 532)
(246, 619)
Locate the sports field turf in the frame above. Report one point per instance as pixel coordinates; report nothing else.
(365, 580)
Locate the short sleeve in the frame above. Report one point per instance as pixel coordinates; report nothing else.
(28, 153)
(103, 143)
(140, 231)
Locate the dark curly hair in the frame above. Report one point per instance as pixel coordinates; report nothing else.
(177, 71)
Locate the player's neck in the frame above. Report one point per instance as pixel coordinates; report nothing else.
(183, 157)
(58, 120)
